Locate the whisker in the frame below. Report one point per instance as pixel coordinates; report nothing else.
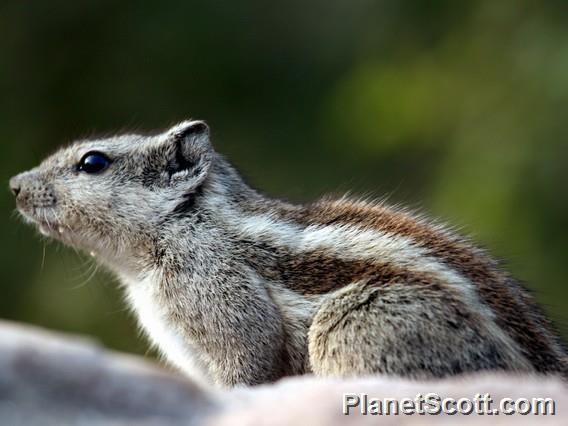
(87, 272)
(43, 258)
(83, 262)
(117, 311)
(84, 283)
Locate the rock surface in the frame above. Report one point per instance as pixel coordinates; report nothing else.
(52, 379)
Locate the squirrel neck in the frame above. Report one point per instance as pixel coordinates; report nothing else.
(203, 225)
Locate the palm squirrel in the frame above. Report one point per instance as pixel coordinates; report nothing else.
(235, 288)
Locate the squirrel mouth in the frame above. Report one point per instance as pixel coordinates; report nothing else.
(50, 229)
(47, 226)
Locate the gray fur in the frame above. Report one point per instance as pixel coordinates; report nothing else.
(239, 289)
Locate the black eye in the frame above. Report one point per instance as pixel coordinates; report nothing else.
(93, 162)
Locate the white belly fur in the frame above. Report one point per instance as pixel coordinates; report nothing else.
(141, 296)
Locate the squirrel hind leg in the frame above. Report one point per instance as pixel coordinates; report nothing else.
(409, 330)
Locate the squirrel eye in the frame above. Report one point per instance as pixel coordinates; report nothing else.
(93, 162)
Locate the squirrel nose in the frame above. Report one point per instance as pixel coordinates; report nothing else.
(15, 185)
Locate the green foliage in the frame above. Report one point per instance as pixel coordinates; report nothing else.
(457, 108)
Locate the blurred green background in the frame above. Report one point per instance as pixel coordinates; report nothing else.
(459, 109)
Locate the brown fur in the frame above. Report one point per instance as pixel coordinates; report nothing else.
(508, 300)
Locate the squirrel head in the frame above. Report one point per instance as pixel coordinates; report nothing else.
(105, 195)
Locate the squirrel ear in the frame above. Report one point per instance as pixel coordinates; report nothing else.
(191, 152)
